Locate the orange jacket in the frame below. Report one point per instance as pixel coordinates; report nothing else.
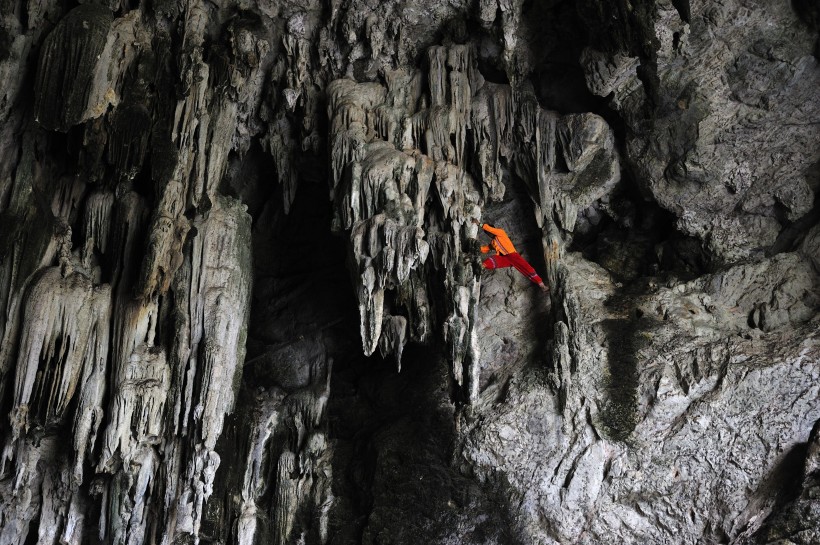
(501, 242)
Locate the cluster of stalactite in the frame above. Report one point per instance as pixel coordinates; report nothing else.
(450, 135)
(126, 288)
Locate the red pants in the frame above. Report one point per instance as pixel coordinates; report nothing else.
(513, 260)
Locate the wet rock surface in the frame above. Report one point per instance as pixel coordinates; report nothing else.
(241, 293)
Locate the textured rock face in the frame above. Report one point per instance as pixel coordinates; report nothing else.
(241, 298)
(726, 139)
(657, 431)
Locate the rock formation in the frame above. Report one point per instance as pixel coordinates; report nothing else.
(241, 298)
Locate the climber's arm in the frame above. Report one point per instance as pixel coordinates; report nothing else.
(493, 230)
(485, 249)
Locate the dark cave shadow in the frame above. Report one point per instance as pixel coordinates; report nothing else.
(784, 483)
(620, 413)
(395, 440)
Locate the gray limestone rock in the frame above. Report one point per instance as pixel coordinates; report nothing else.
(729, 147)
(654, 434)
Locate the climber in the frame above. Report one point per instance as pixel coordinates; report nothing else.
(506, 256)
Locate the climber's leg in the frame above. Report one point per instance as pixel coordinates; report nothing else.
(497, 262)
(524, 268)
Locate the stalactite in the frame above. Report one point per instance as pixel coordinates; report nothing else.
(59, 379)
(384, 189)
(286, 435)
(413, 296)
(126, 39)
(386, 253)
(203, 129)
(62, 335)
(66, 67)
(393, 338)
(266, 420)
(141, 388)
(167, 233)
(127, 498)
(437, 57)
(97, 223)
(209, 349)
(286, 501)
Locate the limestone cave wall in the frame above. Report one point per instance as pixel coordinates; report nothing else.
(241, 292)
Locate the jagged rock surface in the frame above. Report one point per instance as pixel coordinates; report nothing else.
(241, 302)
(729, 145)
(653, 433)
